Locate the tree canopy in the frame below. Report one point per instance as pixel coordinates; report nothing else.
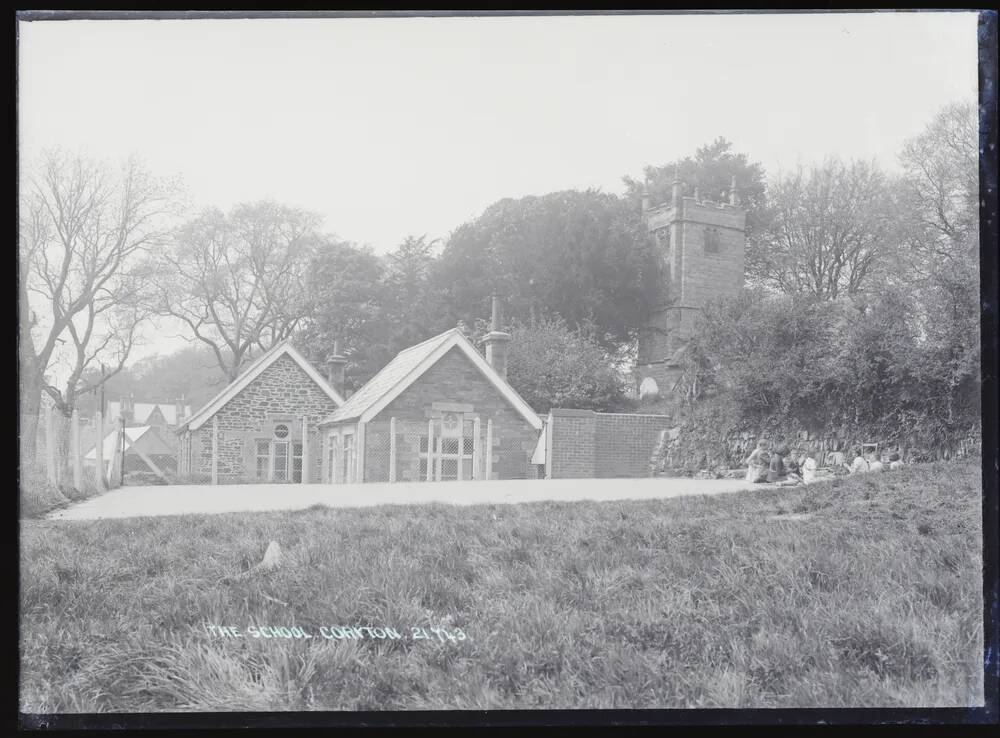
(576, 255)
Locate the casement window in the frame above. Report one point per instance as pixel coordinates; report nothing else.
(278, 459)
(263, 459)
(279, 464)
(347, 459)
(297, 461)
(447, 454)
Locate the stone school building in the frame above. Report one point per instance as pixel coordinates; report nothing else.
(263, 426)
(438, 411)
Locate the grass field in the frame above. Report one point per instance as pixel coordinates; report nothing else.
(854, 592)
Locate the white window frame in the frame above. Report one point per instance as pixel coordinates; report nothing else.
(292, 456)
(257, 456)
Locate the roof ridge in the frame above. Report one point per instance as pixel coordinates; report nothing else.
(283, 344)
(428, 340)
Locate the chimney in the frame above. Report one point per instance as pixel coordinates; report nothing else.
(645, 197)
(127, 408)
(496, 341)
(733, 197)
(675, 191)
(179, 411)
(335, 365)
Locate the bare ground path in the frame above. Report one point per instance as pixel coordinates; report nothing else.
(128, 502)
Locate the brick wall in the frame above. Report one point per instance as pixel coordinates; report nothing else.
(584, 444)
(454, 379)
(625, 443)
(283, 393)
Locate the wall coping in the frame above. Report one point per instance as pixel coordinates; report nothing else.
(566, 412)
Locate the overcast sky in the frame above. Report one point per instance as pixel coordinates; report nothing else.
(397, 126)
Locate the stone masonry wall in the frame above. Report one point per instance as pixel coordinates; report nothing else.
(283, 393)
(455, 383)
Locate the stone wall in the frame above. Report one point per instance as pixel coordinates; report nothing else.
(688, 449)
(585, 444)
(282, 393)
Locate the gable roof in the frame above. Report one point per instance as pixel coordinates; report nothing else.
(111, 440)
(411, 363)
(253, 371)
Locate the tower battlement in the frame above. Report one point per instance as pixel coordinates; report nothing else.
(701, 247)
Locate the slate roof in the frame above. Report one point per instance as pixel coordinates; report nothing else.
(110, 440)
(391, 374)
(409, 364)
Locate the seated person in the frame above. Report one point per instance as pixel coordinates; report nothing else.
(875, 464)
(860, 464)
(808, 467)
(895, 462)
(835, 459)
(756, 462)
(791, 462)
(776, 469)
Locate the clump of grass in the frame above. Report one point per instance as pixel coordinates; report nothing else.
(38, 495)
(875, 599)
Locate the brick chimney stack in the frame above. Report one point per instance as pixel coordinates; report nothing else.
(496, 341)
(734, 198)
(645, 197)
(336, 363)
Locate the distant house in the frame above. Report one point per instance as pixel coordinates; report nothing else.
(160, 414)
(438, 411)
(146, 450)
(262, 426)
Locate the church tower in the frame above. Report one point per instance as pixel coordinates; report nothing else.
(701, 246)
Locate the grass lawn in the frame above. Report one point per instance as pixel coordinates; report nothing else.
(863, 591)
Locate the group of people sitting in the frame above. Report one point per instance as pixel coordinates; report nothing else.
(785, 466)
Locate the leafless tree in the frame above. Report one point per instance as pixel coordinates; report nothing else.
(832, 228)
(85, 235)
(237, 281)
(941, 190)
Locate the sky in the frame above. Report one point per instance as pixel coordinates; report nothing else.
(389, 127)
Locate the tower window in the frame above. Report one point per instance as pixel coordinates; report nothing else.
(711, 240)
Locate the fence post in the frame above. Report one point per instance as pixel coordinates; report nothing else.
(324, 456)
(215, 449)
(489, 449)
(50, 447)
(430, 450)
(305, 450)
(392, 449)
(77, 453)
(99, 451)
(337, 473)
(461, 449)
(359, 450)
(113, 461)
(477, 449)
